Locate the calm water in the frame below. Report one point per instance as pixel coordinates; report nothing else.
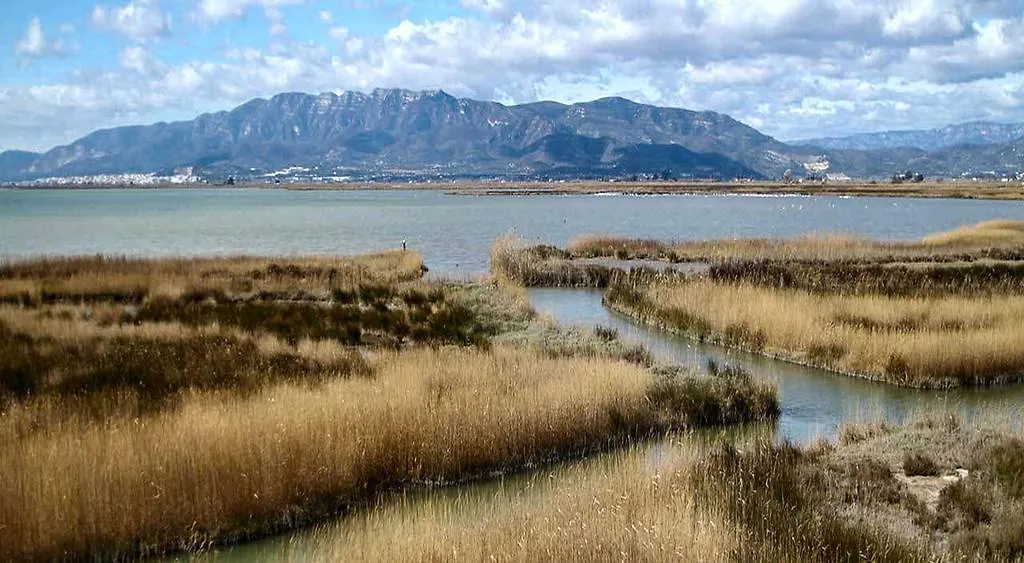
(814, 402)
(455, 232)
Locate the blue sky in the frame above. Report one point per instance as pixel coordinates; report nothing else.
(792, 68)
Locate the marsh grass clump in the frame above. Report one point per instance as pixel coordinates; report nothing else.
(512, 262)
(608, 334)
(919, 463)
(777, 497)
(961, 507)
(367, 314)
(727, 395)
(1004, 459)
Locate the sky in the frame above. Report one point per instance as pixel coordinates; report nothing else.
(791, 68)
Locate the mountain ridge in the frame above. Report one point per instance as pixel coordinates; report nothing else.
(968, 133)
(432, 133)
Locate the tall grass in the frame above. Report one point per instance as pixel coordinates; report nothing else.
(922, 342)
(124, 279)
(515, 263)
(684, 500)
(222, 468)
(628, 509)
(977, 278)
(995, 239)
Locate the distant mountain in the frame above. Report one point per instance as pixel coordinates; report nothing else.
(975, 133)
(16, 160)
(425, 132)
(400, 133)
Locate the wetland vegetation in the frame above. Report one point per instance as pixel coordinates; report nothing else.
(703, 497)
(152, 406)
(939, 312)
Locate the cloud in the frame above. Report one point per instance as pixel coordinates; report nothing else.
(338, 32)
(796, 68)
(138, 60)
(217, 10)
(34, 44)
(276, 18)
(140, 20)
(492, 8)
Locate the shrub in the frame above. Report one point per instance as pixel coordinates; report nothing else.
(918, 463)
(1005, 459)
(605, 333)
(961, 507)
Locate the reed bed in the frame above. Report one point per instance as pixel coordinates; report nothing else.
(148, 407)
(695, 499)
(131, 280)
(514, 263)
(920, 342)
(982, 278)
(688, 500)
(632, 508)
(1001, 239)
(221, 468)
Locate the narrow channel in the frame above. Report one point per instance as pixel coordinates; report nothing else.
(815, 403)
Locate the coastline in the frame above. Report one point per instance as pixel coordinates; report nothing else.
(1013, 190)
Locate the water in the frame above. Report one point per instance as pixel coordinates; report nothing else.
(455, 232)
(815, 403)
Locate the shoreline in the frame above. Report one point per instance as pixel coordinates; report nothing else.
(1012, 190)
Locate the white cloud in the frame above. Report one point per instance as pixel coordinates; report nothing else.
(492, 8)
(217, 10)
(140, 20)
(34, 44)
(276, 18)
(338, 32)
(137, 59)
(326, 17)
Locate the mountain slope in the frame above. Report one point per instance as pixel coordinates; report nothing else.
(16, 160)
(399, 133)
(974, 133)
(403, 130)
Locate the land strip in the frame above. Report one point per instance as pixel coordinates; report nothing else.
(957, 189)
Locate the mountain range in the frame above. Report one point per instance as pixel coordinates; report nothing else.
(973, 133)
(431, 133)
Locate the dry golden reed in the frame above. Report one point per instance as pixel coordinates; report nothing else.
(1005, 235)
(224, 467)
(632, 508)
(932, 341)
(121, 278)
